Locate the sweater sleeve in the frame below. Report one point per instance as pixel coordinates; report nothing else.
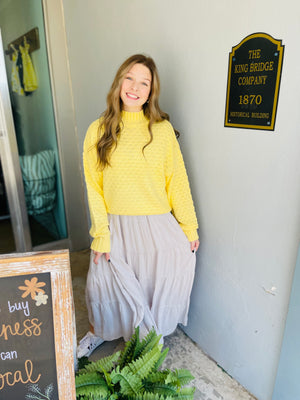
(179, 193)
(94, 183)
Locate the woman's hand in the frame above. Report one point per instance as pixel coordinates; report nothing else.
(194, 245)
(98, 255)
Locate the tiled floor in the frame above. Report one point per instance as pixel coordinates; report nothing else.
(211, 382)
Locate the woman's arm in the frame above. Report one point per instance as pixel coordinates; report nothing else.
(179, 193)
(94, 183)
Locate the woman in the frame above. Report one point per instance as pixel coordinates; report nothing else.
(143, 220)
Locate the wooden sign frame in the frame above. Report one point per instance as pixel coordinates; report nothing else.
(58, 265)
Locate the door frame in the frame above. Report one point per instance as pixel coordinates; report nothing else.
(9, 157)
(67, 141)
(67, 137)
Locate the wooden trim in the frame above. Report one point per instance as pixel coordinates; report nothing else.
(58, 265)
(66, 128)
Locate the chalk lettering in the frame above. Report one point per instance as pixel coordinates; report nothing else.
(8, 355)
(30, 327)
(11, 378)
(19, 306)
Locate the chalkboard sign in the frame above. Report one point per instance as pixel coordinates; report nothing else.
(37, 330)
(254, 74)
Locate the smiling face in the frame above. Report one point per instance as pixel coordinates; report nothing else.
(136, 88)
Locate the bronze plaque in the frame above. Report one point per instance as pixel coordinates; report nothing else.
(254, 74)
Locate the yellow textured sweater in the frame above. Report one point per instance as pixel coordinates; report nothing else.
(137, 184)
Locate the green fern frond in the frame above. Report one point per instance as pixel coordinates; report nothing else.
(150, 336)
(137, 351)
(108, 379)
(162, 389)
(186, 393)
(180, 377)
(184, 376)
(113, 396)
(161, 358)
(136, 348)
(146, 340)
(91, 385)
(130, 384)
(156, 377)
(127, 353)
(150, 396)
(133, 374)
(82, 362)
(143, 366)
(92, 392)
(90, 378)
(150, 341)
(105, 363)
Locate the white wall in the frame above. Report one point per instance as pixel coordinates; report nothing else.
(287, 385)
(245, 183)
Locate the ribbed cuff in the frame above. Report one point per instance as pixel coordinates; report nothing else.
(191, 235)
(101, 244)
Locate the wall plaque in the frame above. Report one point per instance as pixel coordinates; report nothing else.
(254, 74)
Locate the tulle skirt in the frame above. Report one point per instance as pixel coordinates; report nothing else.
(148, 281)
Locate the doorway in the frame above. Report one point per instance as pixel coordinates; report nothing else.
(7, 241)
(31, 134)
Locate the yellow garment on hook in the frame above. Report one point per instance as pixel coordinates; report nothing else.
(29, 76)
(15, 79)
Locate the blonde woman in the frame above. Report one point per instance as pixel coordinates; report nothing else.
(144, 226)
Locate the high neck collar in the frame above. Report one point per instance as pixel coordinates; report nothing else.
(133, 116)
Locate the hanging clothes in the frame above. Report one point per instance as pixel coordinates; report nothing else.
(29, 76)
(20, 70)
(15, 76)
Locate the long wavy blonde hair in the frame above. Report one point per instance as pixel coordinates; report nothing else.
(111, 121)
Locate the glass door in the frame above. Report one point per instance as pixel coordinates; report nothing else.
(30, 181)
(14, 234)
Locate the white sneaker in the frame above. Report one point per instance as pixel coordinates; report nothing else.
(88, 344)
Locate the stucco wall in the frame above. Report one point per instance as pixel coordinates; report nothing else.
(287, 383)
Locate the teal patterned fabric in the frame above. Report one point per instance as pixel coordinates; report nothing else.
(38, 171)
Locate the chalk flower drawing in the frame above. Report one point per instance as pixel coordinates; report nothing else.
(41, 299)
(32, 287)
(35, 393)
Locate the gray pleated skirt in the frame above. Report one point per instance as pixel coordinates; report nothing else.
(148, 281)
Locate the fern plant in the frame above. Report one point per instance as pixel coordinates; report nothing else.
(133, 374)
